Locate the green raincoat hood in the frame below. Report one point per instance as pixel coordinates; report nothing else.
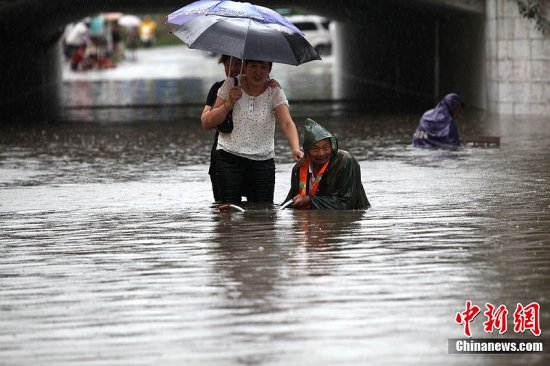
(340, 186)
(314, 132)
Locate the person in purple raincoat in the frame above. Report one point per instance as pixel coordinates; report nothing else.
(437, 126)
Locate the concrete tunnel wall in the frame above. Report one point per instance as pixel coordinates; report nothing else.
(31, 78)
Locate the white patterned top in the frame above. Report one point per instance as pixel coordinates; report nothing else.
(253, 123)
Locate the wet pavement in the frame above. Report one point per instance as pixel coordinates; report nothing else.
(111, 252)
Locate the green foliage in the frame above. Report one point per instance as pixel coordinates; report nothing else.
(532, 10)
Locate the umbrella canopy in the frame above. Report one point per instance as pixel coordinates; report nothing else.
(225, 27)
(129, 20)
(230, 9)
(246, 39)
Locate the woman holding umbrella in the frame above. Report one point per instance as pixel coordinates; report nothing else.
(245, 157)
(232, 66)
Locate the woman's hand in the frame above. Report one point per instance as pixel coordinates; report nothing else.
(235, 94)
(297, 154)
(273, 83)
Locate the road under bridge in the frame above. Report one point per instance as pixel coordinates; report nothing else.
(389, 52)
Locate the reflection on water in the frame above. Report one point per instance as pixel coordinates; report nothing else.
(111, 253)
(109, 93)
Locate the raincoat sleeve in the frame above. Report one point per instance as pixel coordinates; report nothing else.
(294, 181)
(343, 190)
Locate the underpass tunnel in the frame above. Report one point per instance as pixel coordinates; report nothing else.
(399, 58)
(387, 55)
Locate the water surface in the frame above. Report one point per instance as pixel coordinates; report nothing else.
(111, 252)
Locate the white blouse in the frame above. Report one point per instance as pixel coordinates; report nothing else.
(253, 123)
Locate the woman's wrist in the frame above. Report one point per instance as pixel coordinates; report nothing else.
(228, 106)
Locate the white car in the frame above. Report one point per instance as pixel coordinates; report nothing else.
(316, 30)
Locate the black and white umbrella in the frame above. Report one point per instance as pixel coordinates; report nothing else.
(242, 30)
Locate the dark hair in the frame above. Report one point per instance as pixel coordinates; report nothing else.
(258, 61)
(223, 58)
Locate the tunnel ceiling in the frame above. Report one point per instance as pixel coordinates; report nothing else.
(56, 13)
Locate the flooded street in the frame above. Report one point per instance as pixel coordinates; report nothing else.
(111, 252)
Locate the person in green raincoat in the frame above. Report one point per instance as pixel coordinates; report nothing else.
(326, 177)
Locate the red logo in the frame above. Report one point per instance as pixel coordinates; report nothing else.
(496, 319)
(525, 318)
(467, 316)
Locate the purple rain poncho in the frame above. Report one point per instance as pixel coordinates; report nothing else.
(437, 127)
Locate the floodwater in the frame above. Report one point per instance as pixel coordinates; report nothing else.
(111, 252)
